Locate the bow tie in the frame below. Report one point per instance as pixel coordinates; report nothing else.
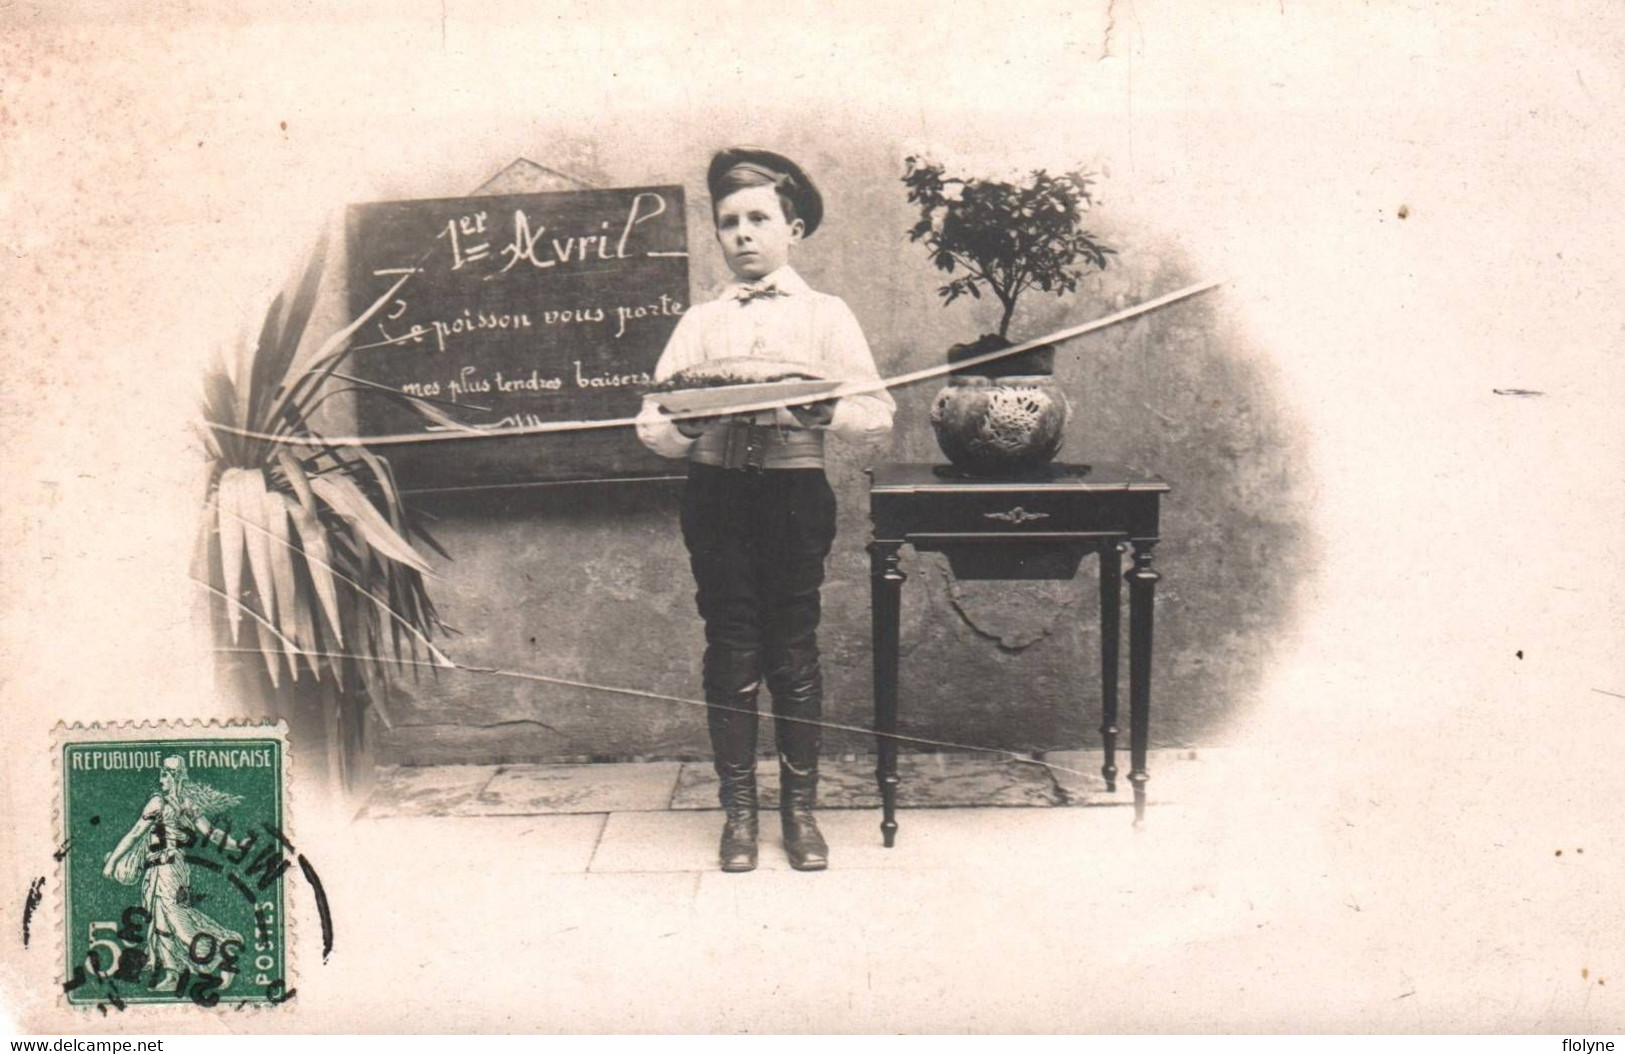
(766, 292)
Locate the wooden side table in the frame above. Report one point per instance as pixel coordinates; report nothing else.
(1034, 527)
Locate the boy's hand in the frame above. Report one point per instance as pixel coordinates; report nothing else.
(694, 427)
(814, 414)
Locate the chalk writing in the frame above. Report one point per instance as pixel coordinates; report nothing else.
(519, 421)
(468, 226)
(519, 309)
(527, 245)
(472, 322)
(609, 380)
(533, 383)
(660, 309)
(470, 381)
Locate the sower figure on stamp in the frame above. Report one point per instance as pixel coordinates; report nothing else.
(758, 513)
(154, 853)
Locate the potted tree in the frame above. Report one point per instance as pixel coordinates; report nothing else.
(1007, 415)
(308, 546)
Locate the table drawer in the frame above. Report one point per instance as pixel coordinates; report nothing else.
(1049, 511)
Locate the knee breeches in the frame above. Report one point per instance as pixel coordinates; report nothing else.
(757, 543)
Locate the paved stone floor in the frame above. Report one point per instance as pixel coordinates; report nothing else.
(1070, 778)
(1259, 895)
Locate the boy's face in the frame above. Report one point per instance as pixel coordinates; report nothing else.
(754, 235)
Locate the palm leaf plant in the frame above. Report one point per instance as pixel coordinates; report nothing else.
(311, 548)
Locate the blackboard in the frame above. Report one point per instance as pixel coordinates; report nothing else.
(520, 310)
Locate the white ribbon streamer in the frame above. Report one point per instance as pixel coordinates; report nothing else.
(850, 388)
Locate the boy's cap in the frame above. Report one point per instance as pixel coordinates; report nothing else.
(789, 176)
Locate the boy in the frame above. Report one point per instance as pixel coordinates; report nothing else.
(758, 514)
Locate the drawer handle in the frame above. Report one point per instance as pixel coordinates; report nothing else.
(1016, 515)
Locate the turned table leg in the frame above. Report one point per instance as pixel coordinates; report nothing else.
(886, 599)
(1142, 586)
(1111, 568)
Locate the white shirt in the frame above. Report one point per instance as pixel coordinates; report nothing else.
(797, 325)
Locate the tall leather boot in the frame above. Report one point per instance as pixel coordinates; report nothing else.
(732, 722)
(797, 684)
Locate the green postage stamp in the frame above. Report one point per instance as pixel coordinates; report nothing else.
(175, 846)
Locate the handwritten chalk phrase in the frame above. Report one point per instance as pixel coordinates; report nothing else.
(474, 324)
(517, 309)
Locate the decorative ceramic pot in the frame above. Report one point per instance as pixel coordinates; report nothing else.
(1003, 426)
